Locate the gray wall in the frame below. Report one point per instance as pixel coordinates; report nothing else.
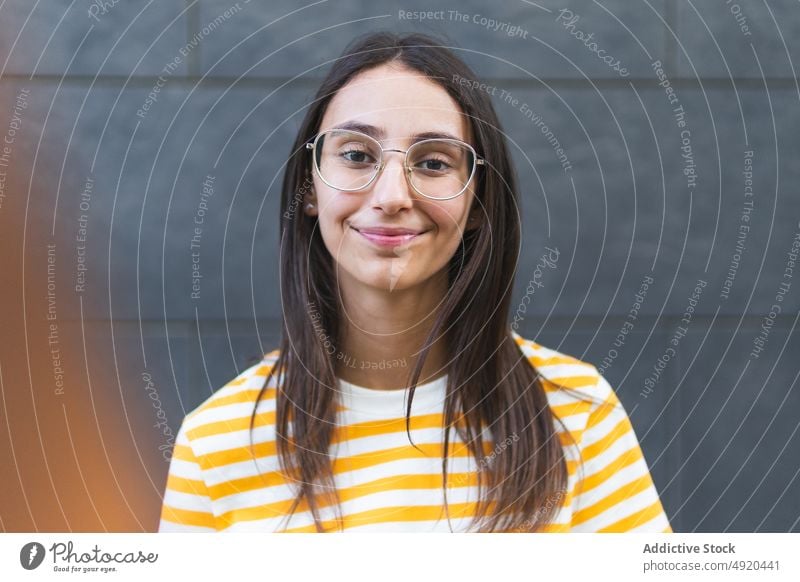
(718, 428)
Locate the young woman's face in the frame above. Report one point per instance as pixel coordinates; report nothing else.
(399, 104)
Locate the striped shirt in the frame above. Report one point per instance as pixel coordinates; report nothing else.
(384, 483)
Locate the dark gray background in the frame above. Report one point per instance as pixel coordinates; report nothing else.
(719, 429)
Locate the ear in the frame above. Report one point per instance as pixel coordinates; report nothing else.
(310, 206)
(474, 221)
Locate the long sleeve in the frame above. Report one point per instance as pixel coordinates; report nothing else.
(187, 505)
(614, 491)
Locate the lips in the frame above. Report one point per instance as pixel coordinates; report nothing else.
(388, 236)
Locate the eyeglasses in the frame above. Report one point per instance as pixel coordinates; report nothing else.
(437, 168)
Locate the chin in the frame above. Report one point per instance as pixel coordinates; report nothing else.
(387, 282)
(384, 278)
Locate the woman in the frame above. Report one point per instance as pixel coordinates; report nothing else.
(400, 239)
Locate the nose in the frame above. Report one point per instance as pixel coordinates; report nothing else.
(391, 192)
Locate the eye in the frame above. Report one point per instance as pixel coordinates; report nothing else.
(434, 165)
(356, 156)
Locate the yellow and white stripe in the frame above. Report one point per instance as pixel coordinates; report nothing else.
(384, 483)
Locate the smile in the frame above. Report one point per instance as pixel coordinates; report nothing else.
(385, 239)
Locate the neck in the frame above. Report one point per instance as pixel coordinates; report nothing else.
(383, 331)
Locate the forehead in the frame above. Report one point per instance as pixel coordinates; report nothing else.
(400, 102)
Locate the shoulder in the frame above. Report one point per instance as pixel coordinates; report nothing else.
(571, 384)
(557, 369)
(233, 402)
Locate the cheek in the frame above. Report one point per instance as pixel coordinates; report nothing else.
(449, 217)
(450, 221)
(334, 209)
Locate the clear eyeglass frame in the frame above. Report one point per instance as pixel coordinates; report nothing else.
(381, 164)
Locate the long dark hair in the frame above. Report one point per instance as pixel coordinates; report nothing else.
(490, 383)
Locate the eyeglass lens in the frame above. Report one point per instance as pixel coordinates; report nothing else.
(439, 168)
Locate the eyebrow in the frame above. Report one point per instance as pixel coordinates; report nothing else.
(378, 133)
